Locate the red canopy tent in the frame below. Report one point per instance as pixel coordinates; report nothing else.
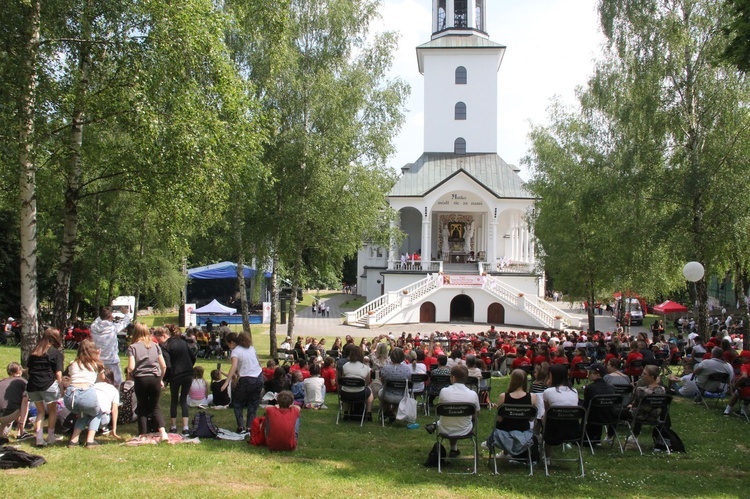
(670, 307)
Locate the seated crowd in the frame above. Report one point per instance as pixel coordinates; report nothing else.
(605, 362)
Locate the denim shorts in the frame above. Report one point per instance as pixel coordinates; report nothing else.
(51, 394)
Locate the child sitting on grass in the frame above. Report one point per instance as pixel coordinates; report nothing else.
(221, 398)
(282, 423)
(298, 388)
(199, 393)
(315, 390)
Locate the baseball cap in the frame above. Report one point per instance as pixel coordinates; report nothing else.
(597, 368)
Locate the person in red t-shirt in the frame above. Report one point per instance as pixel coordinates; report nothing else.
(269, 370)
(328, 373)
(521, 359)
(743, 390)
(634, 354)
(579, 357)
(282, 423)
(301, 366)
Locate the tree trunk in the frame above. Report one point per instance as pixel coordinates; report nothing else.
(740, 293)
(243, 294)
(69, 242)
(591, 311)
(296, 276)
(27, 189)
(274, 300)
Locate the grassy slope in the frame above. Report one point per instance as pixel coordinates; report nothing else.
(374, 461)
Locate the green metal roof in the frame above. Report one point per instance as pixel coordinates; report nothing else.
(433, 169)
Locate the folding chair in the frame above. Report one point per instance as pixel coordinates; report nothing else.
(397, 386)
(634, 370)
(716, 379)
(604, 410)
(438, 382)
(644, 416)
(352, 397)
(528, 369)
(458, 410)
(569, 418)
(420, 378)
(335, 354)
(487, 377)
(521, 412)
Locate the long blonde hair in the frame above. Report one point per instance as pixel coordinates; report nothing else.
(142, 334)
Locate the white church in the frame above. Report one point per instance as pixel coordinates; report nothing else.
(467, 254)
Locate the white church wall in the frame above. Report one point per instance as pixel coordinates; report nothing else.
(441, 94)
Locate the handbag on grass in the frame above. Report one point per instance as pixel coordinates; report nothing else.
(407, 408)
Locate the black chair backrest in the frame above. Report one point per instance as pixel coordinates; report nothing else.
(604, 401)
(720, 377)
(581, 366)
(623, 389)
(419, 378)
(636, 364)
(455, 410)
(486, 375)
(521, 411)
(352, 382)
(440, 379)
(396, 384)
(333, 353)
(651, 403)
(528, 368)
(565, 413)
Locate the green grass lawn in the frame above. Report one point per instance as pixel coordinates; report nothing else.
(347, 460)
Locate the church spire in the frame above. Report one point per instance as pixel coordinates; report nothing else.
(458, 17)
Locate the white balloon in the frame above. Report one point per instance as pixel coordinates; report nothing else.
(693, 271)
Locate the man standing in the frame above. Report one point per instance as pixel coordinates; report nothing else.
(457, 393)
(104, 331)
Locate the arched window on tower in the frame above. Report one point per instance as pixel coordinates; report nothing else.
(460, 75)
(479, 15)
(441, 16)
(459, 146)
(460, 111)
(460, 14)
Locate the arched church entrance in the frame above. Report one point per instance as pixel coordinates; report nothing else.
(462, 309)
(427, 312)
(495, 314)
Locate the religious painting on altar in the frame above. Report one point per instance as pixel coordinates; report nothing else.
(456, 231)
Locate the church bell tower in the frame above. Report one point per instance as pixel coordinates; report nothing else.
(458, 17)
(460, 65)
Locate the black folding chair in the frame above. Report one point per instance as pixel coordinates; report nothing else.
(522, 412)
(487, 377)
(715, 380)
(454, 410)
(437, 383)
(358, 395)
(420, 378)
(570, 419)
(399, 386)
(652, 410)
(604, 410)
(634, 370)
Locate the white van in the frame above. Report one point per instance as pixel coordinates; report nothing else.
(634, 310)
(119, 305)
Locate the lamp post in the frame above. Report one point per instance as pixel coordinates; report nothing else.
(693, 272)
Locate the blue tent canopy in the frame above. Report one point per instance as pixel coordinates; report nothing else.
(221, 270)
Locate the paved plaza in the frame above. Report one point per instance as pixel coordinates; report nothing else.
(309, 324)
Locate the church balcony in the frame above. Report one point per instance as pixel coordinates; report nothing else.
(506, 266)
(415, 266)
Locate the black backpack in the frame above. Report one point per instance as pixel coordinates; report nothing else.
(432, 457)
(10, 457)
(203, 426)
(673, 440)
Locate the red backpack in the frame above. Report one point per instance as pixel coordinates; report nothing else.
(258, 432)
